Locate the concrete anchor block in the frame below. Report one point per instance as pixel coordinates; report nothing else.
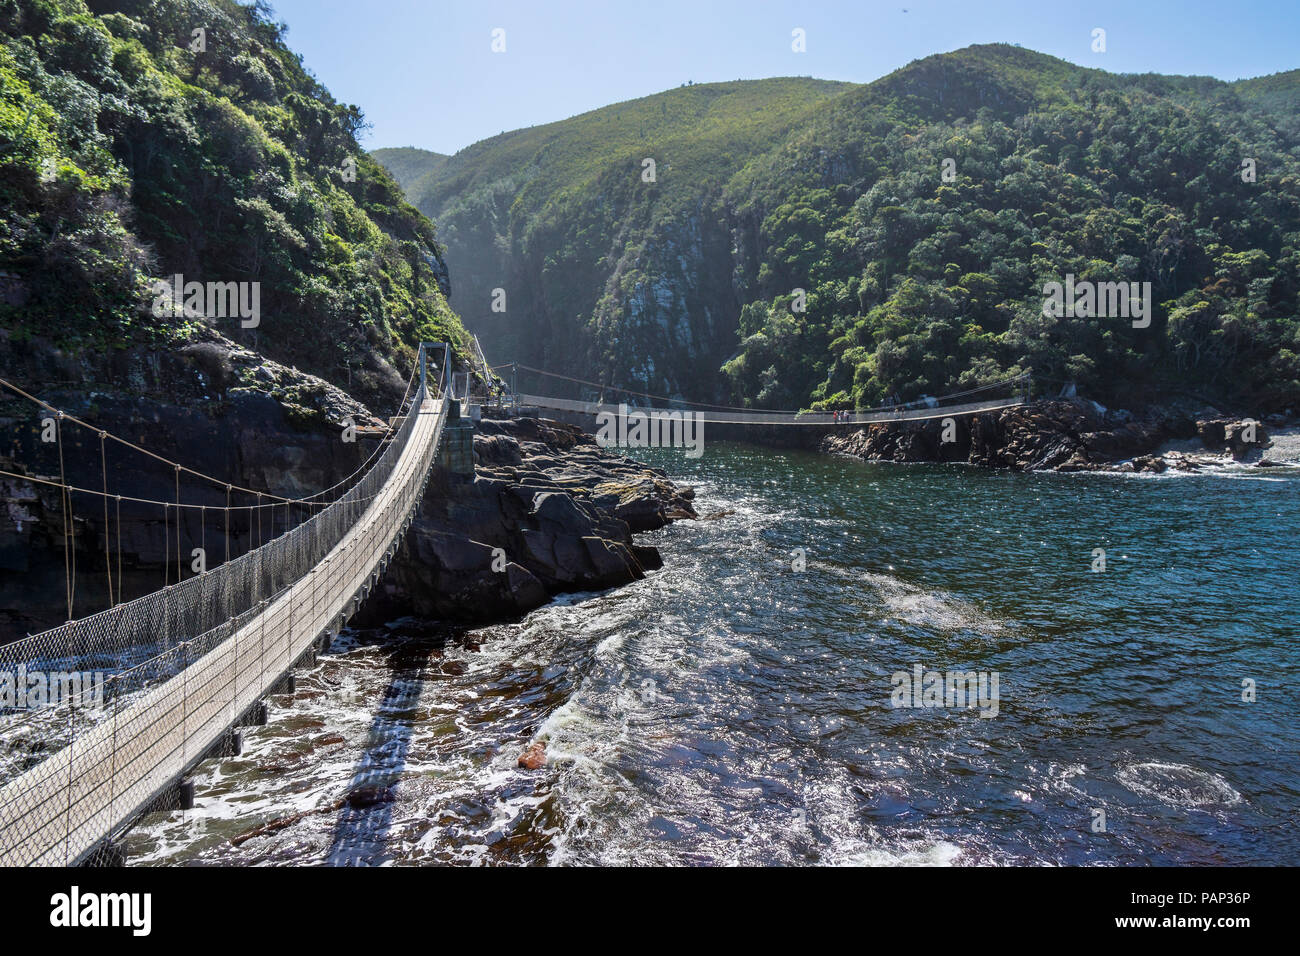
(165, 800)
(228, 744)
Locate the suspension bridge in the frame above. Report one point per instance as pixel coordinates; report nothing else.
(976, 400)
(190, 664)
(201, 654)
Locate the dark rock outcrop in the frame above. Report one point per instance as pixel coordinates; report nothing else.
(547, 511)
(1071, 435)
(1243, 439)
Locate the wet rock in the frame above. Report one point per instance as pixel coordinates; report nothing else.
(1242, 438)
(360, 798)
(497, 450)
(649, 558)
(524, 588)
(546, 511)
(1075, 435)
(534, 758)
(1150, 463)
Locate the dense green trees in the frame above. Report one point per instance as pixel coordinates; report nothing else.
(916, 282)
(1107, 178)
(129, 151)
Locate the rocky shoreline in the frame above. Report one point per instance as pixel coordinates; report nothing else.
(562, 510)
(546, 512)
(1078, 435)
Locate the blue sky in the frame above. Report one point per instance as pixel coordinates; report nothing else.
(425, 75)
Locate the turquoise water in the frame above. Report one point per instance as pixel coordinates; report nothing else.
(731, 709)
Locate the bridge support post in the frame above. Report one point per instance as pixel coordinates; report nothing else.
(229, 744)
(285, 685)
(255, 716)
(424, 362)
(456, 451)
(177, 795)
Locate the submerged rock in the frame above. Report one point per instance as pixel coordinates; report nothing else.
(534, 758)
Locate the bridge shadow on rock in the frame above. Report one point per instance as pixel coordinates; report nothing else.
(361, 833)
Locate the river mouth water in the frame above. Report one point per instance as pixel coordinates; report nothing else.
(732, 710)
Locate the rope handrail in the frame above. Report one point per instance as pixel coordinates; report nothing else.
(280, 503)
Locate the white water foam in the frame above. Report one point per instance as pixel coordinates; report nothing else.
(1178, 784)
(930, 608)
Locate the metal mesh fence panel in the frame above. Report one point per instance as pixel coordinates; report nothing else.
(182, 664)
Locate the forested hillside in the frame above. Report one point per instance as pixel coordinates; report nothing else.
(410, 165)
(601, 269)
(145, 138)
(915, 282)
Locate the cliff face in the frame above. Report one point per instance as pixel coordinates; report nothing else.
(208, 403)
(659, 309)
(608, 232)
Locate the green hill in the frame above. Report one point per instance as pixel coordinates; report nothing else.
(915, 283)
(132, 148)
(558, 216)
(409, 164)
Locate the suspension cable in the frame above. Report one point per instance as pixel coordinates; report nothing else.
(178, 524)
(119, 548)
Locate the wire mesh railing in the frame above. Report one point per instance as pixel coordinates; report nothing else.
(758, 417)
(180, 666)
